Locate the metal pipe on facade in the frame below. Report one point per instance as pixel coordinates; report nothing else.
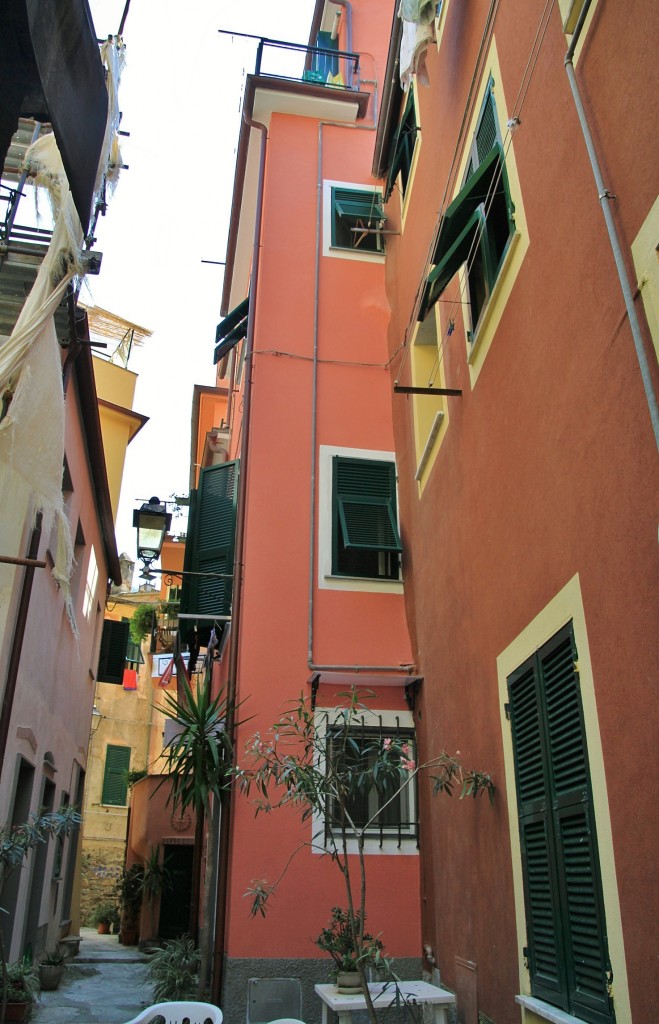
(236, 604)
(403, 669)
(605, 198)
(17, 640)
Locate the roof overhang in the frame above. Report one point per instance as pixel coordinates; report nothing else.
(265, 96)
(390, 102)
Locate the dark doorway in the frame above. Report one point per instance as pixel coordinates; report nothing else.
(175, 904)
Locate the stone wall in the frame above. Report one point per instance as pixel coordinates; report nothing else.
(100, 870)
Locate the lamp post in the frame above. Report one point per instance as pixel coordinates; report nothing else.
(152, 521)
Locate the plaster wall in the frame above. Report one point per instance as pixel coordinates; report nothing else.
(548, 469)
(54, 693)
(115, 385)
(349, 627)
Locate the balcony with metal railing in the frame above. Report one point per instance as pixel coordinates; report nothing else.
(315, 72)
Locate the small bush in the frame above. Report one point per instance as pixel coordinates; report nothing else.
(173, 970)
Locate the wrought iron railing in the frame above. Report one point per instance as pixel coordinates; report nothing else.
(316, 65)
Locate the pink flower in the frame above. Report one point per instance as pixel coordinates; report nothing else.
(408, 765)
(387, 743)
(405, 749)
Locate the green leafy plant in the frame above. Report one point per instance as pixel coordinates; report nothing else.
(22, 983)
(53, 958)
(16, 841)
(105, 913)
(338, 939)
(172, 970)
(322, 774)
(141, 622)
(198, 768)
(155, 880)
(129, 891)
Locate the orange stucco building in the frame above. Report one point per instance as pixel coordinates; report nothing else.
(442, 259)
(309, 404)
(519, 274)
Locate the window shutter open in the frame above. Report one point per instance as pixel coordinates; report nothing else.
(211, 546)
(476, 190)
(402, 147)
(365, 497)
(112, 655)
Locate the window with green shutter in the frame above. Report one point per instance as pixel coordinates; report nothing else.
(357, 219)
(477, 226)
(365, 538)
(402, 148)
(566, 930)
(115, 777)
(112, 655)
(210, 542)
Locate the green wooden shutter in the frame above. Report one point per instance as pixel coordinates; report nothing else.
(365, 495)
(546, 962)
(402, 147)
(564, 906)
(584, 931)
(213, 539)
(354, 208)
(460, 252)
(487, 133)
(115, 781)
(112, 655)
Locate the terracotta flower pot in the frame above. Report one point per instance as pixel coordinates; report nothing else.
(16, 1011)
(103, 928)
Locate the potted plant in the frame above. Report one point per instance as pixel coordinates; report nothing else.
(155, 881)
(350, 946)
(173, 969)
(104, 916)
(129, 890)
(51, 969)
(20, 989)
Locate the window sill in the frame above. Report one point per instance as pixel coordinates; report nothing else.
(389, 847)
(546, 1011)
(355, 254)
(360, 583)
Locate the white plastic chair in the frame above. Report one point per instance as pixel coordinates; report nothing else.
(176, 1013)
(287, 1020)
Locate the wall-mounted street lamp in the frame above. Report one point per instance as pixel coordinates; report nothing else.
(152, 521)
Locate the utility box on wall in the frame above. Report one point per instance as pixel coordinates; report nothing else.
(271, 998)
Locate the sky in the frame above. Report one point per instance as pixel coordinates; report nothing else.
(180, 96)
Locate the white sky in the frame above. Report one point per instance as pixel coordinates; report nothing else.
(180, 96)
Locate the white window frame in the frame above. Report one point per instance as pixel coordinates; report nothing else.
(389, 844)
(326, 580)
(337, 251)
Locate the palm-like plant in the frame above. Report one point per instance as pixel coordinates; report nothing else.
(198, 766)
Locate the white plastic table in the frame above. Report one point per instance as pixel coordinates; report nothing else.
(383, 993)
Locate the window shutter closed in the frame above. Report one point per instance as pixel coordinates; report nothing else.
(565, 914)
(213, 538)
(115, 782)
(112, 656)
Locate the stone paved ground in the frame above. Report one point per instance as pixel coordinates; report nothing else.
(104, 984)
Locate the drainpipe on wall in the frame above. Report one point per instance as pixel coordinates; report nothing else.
(605, 197)
(17, 640)
(236, 604)
(403, 669)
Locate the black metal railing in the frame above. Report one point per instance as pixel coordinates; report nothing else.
(315, 65)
